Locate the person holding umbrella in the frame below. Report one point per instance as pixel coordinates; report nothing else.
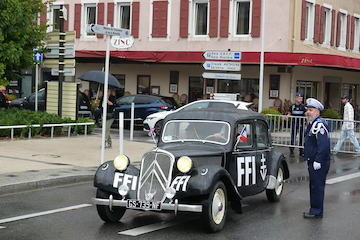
(111, 101)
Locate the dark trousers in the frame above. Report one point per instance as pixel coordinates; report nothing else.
(297, 126)
(317, 187)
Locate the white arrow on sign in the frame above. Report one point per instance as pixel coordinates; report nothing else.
(101, 29)
(222, 55)
(230, 76)
(222, 66)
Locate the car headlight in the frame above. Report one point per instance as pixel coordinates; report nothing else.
(149, 118)
(121, 162)
(184, 164)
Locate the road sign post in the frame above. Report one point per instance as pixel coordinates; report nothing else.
(38, 57)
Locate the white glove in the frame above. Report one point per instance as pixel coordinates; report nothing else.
(317, 165)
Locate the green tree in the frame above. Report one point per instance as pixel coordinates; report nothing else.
(19, 35)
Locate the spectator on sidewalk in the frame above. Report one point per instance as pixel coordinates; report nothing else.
(297, 110)
(111, 101)
(347, 127)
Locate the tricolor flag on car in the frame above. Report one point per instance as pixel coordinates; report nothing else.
(151, 132)
(243, 135)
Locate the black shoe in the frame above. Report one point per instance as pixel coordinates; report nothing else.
(311, 216)
(301, 153)
(292, 153)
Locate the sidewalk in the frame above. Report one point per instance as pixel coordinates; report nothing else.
(36, 163)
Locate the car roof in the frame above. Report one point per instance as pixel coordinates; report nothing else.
(227, 115)
(237, 104)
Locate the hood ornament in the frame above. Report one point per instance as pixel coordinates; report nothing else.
(149, 195)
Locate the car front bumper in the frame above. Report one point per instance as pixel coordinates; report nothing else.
(176, 207)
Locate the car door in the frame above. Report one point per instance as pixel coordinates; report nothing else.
(263, 151)
(123, 104)
(243, 166)
(29, 103)
(142, 105)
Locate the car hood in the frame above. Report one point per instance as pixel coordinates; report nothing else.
(194, 149)
(17, 101)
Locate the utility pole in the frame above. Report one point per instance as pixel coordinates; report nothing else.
(61, 58)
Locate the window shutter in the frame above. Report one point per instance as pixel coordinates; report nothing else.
(214, 15)
(77, 19)
(322, 24)
(224, 18)
(135, 19)
(338, 29)
(303, 20)
(66, 22)
(43, 15)
(159, 25)
(352, 32)
(333, 13)
(256, 18)
(184, 18)
(110, 14)
(348, 28)
(317, 24)
(100, 17)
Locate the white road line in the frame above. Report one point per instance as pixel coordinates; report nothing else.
(32, 215)
(1, 227)
(342, 178)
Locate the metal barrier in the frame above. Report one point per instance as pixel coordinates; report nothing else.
(69, 125)
(281, 127)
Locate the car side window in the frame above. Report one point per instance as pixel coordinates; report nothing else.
(125, 100)
(221, 105)
(197, 105)
(262, 138)
(244, 138)
(41, 96)
(143, 99)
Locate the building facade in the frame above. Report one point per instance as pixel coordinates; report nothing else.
(311, 46)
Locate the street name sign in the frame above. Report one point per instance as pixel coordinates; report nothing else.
(67, 71)
(222, 55)
(54, 51)
(53, 37)
(54, 63)
(101, 29)
(222, 66)
(230, 76)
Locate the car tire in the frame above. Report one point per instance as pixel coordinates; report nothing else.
(158, 127)
(214, 209)
(273, 195)
(104, 211)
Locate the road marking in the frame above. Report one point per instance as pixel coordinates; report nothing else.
(342, 178)
(1, 227)
(32, 215)
(153, 227)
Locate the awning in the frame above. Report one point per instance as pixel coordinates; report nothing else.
(272, 58)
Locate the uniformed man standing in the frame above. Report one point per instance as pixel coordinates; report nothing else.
(317, 154)
(297, 109)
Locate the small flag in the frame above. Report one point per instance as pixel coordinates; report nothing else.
(243, 136)
(151, 132)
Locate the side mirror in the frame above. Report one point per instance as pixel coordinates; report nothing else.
(25, 98)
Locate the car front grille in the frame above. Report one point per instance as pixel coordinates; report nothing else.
(155, 175)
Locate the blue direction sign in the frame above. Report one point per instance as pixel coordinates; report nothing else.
(222, 55)
(38, 56)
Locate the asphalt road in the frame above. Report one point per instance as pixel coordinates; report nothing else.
(66, 213)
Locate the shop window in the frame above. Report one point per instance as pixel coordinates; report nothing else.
(309, 89)
(196, 88)
(247, 88)
(174, 81)
(143, 84)
(210, 85)
(274, 88)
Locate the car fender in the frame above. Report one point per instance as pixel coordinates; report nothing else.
(277, 159)
(108, 178)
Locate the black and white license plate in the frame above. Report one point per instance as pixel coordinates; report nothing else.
(146, 205)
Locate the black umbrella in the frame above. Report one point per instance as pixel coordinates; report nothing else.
(99, 77)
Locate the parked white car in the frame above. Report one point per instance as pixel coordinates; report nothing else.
(155, 120)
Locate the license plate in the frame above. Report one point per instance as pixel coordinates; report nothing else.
(83, 107)
(146, 205)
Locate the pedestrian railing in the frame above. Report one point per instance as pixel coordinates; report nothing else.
(289, 131)
(52, 126)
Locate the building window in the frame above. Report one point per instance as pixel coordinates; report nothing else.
(309, 89)
(310, 19)
(122, 18)
(343, 21)
(53, 16)
(196, 88)
(143, 84)
(327, 26)
(357, 35)
(247, 88)
(242, 15)
(90, 16)
(200, 17)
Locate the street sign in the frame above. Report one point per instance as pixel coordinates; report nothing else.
(65, 13)
(54, 63)
(222, 66)
(54, 51)
(229, 76)
(67, 71)
(53, 37)
(119, 42)
(101, 29)
(38, 56)
(222, 55)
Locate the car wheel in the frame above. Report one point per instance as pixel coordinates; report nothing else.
(105, 213)
(214, 209)
(273, 195)
(158, 127)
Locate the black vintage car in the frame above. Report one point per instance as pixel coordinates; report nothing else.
(205, 160)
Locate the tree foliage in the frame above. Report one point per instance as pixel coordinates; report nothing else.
(19, 35)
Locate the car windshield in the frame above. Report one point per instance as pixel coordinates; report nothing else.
(192, 130)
